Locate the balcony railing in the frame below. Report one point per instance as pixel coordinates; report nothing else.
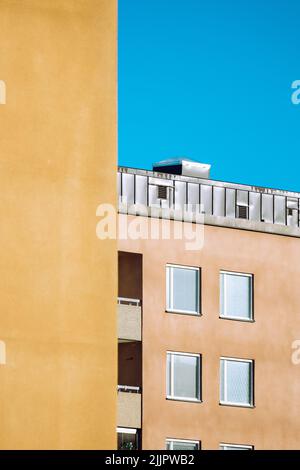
(128, 301)
(129, 319)
(129, 389)
(129, 407)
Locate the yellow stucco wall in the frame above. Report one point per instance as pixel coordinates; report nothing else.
(58, 281)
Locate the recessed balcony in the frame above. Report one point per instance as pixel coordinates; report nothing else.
(129, 407)
(129, 319)
(130, 384)
(130, 296)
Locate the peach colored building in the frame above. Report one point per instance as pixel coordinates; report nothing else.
(207, 337)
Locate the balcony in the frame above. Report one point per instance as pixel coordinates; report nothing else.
(130, 384)
(129, 350)
(129, 319)
(130, 296)
(129, 407)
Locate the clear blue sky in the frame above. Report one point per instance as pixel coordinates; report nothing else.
(211, 80)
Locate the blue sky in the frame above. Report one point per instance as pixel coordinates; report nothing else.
(211, 80)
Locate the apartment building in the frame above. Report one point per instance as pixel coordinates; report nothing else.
(58, 163)
(206, 336)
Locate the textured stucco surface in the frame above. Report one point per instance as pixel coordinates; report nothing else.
(274, 260)
(58, 162)
(129, 322)
(129, 410)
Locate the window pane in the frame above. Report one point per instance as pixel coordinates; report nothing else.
(235, 384)
(229, 447)
(186, 376)
(169, 288)
(169, 365)
(183, 292)
(127, 441)
(222, 380)
(236, 292)
(184, 445)
(238, 382)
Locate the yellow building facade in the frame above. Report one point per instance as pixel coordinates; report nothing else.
(58, 281)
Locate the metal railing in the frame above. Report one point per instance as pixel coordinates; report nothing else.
(221, 199)
(129, 389)
(128, 301)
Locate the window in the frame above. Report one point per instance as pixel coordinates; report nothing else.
(128, 439)
(236, 292)
(242, 212)
(236, 382)
(183, 376)
(182, 444)
(235, 447)
(183, 289)
(162, 192)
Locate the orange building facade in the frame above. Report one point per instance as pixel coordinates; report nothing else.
(205, 338)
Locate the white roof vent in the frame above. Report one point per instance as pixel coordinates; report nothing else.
(183, 166)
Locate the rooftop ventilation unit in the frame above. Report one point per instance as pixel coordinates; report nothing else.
(183, 166)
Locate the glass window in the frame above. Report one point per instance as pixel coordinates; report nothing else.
(127, 439)
(183, 289)
(177, 444)
(236, 382)
(236, 296)
(183, 376)
(235, 447)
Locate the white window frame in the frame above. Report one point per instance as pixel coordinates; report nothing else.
(189, 441)
(228, 317)
(240, 446)
(170, 288)
(126, 430)
(235, 359)
(172, 396)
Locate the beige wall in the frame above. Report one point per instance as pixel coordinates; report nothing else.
(275, 262)
(58, 282)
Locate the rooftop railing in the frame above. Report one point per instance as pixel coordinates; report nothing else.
(216, 198)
